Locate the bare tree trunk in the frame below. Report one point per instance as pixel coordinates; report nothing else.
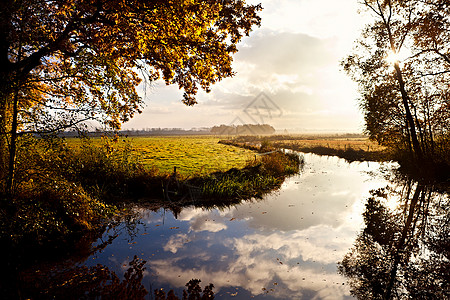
(420, 130)
(399, 77)
(408, 136)
(409, 117)
(429, 127)
(4, 144)
(13, 144)
(13, 134)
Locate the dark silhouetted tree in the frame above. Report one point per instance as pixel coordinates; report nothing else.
(401, 63)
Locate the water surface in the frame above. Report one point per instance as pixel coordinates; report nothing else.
(285, 246)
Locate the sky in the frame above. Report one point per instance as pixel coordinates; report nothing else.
(288, 75)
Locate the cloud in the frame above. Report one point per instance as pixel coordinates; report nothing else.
(176, 242)
(275, 62)
(202, 221)
(295, 62)
(286, 53)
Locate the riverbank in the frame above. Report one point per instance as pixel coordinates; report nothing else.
(433, 170)
(62, 191)
(351, 148)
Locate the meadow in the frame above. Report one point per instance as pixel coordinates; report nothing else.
(191, 155)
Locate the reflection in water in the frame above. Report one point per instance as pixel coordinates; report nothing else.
(287, 245)
(97, 282)
(404, 250)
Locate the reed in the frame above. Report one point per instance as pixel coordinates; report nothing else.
(253, 181)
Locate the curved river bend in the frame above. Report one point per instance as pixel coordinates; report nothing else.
(285, 246)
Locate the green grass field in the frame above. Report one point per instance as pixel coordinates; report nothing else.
(190, 154)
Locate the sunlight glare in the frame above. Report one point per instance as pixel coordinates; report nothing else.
(392, 57)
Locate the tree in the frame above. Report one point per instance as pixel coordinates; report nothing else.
(431, 47)
(63, 62)
(401, 64)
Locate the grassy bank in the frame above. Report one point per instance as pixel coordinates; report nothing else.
(258, 177)
(433, 168)
(64, 188)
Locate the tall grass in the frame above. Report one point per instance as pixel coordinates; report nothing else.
(59, 190)
(253, 181)
(110, 170)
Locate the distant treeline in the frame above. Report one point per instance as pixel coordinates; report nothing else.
(246, 129)
(139, 132)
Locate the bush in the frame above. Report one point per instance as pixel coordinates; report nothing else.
(281, 164)
(110, 171)
(46, 205)
(58, 190)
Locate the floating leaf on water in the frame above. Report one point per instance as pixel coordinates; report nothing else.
(174, 227)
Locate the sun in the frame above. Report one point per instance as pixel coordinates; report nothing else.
(392, 57)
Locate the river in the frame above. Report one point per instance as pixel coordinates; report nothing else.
(284, 246)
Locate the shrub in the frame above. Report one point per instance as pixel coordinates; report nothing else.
(110, 171)
(45, 204)
(58, 191)
(281, 164)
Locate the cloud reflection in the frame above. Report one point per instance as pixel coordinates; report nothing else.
(202, 220)
(286, 245)
(176, 242)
